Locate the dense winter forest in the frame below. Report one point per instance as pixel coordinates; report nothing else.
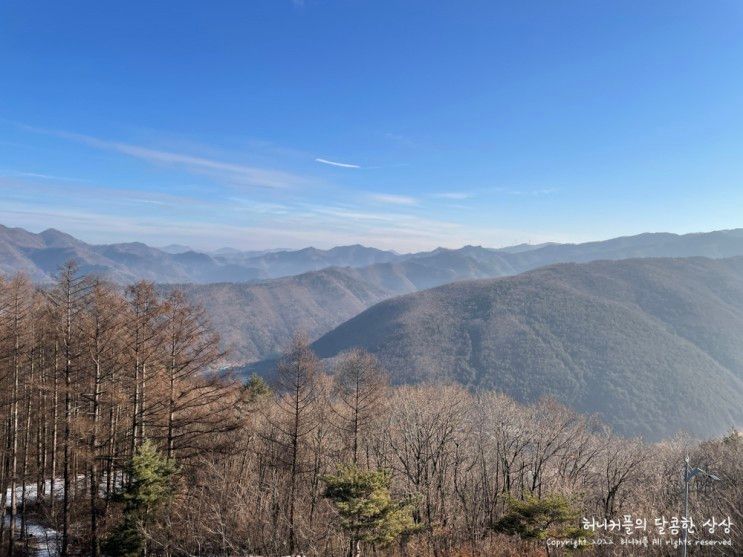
(123, 435)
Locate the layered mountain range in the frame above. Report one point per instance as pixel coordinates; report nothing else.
(258, 319)
(643, 330)
(40, 255)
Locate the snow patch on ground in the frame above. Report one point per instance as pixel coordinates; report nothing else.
(43, 541)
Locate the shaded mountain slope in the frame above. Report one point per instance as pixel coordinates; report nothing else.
(652, 345)
(258, 319)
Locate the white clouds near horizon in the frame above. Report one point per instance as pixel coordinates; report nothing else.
(97, 214)
(159, 207)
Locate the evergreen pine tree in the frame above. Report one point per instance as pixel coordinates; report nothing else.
(365, 507)
(536, 519)
(150, 487)
(256, 387)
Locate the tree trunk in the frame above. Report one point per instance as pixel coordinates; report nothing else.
(13, 431)
(55, 435)
(94, 483)
(64, 552)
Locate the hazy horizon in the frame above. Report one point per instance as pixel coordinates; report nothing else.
(90, 239)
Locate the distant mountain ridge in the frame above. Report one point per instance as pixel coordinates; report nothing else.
(41, 254)
(175, 248)
(257, 319)
(652, 345)
(314, 304)
(257, 315)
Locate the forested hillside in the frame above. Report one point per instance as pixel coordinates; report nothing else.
(652, 345)
(257, 320)
(120, 438)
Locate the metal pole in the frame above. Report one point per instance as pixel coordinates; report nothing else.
(686, 500)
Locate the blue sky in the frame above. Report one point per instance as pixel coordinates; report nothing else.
(403, 125)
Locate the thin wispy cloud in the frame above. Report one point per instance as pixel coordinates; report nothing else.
(260, 207)
(353, 214)
(338, 164)
(102, 214)
(46, 192)
(47, 177)
(533, 192)
(40, 176)
(239, 174)
(393, 199)
(456, 195)
(213, 213)
(400, 140)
